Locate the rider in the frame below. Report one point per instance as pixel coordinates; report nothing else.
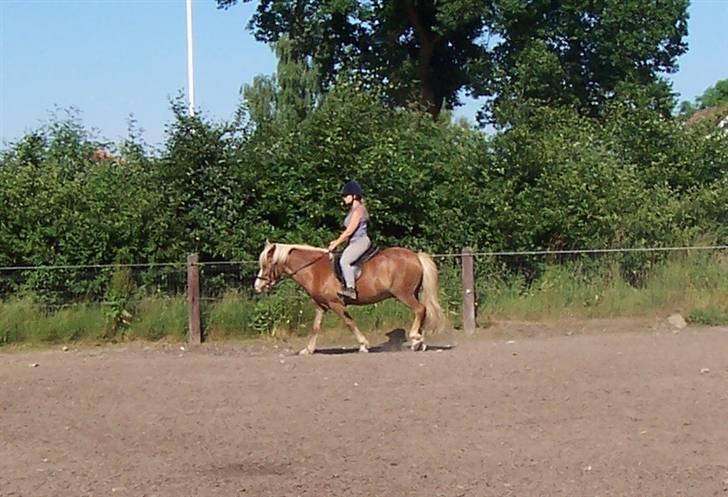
(356, 233)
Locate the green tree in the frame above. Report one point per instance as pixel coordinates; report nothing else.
(553, 179)
(425, 51)
(581, 53)
(61, 205)
(713, 96)
(202, 204)
(575, 51)
(287, 96)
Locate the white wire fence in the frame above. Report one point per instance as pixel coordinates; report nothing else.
(447, 255)
(510, 253)
(68, 284)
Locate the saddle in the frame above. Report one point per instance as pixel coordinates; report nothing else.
(359, 263)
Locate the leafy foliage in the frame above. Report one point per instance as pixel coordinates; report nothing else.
(573, 52)
(582, 53)
(555, 179)
(713, 96)
(423, 50)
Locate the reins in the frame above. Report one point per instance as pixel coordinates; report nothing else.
(274, 281)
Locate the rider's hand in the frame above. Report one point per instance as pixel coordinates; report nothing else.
(332, 246)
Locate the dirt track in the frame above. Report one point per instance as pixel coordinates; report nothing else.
(585, 415)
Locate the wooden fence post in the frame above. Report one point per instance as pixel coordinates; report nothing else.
(468, 292)
(193, 300)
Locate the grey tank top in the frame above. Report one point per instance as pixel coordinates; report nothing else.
(361, 230)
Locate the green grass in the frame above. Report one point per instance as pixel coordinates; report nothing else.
(23, 320)
(157, 318)
(709, 316)
(684, 283)
(26, 321)
(230, 317)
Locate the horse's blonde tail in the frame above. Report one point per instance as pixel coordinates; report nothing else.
(434, 319)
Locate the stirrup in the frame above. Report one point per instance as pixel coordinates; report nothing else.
(349, 293)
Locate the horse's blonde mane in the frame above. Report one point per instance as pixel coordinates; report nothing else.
(283, 250)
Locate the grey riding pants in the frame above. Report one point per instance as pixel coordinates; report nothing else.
(351, 253)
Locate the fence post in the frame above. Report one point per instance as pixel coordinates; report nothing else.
(193, 300)
(468, 292)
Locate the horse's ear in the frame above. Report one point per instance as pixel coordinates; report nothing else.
(270, 247)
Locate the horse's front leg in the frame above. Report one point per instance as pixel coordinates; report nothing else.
(341, 311)
(318, 318)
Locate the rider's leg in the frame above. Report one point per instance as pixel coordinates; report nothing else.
(353, 251)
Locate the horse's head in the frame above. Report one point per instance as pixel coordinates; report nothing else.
(274, 261)
(268, 274)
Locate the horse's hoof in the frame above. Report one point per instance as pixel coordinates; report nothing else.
(363, 349)
(306, 351)
(418, 346)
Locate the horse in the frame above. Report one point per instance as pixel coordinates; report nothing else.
(397, 272)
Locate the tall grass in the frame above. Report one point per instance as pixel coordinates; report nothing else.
(23, 320)
(159, 317)
(694, 284)
(684, 283)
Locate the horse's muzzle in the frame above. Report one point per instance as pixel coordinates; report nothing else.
(261, 284)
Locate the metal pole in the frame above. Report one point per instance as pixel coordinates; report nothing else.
(190, 70)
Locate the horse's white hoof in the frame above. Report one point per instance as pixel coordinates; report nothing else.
(306, 351)
(418, 345)
(363, 349)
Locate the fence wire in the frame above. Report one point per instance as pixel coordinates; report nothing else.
(62, 286)
(219, 278)
(58, 286)
(248, 262)
(516, 253)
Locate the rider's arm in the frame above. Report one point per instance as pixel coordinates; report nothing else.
(353, 225)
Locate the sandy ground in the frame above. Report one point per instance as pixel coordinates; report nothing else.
(599, 408)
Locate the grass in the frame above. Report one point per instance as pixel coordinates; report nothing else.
(24, 321)
(694, 284)
(709, 316)
(157, 318)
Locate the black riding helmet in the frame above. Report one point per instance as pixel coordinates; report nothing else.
(351, 188)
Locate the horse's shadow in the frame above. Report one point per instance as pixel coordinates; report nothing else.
(396, 342)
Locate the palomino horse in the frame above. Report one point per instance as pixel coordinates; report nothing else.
(394, 272)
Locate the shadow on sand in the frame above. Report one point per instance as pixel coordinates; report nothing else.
(397, 342)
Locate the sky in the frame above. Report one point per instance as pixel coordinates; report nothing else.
(116, 59)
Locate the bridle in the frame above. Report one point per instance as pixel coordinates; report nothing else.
(278, 278)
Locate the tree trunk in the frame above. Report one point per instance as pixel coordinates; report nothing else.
(429, 96)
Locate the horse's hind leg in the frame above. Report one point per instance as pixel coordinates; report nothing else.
(341, 311)
(415, 335)
(318, 318)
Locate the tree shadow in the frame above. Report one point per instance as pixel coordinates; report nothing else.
(396, 342)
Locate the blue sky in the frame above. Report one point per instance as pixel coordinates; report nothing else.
(114, 58)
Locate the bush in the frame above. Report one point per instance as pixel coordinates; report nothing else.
(553, 180)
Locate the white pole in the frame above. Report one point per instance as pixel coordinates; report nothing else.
(190, 70)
